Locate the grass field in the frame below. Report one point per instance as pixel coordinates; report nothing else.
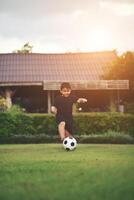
(47, 172)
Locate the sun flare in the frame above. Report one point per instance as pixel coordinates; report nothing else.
(99, 39)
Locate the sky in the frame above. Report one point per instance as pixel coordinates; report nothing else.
(60, 26)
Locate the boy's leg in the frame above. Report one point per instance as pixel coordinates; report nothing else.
(68, 127)
(67, 134)
(61, 129)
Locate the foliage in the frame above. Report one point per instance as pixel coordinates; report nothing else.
(109, 137)
(3, 104)
(15, 122)
(99, 123)
(122, 68)
(27, 48)
(44, 124)
(84, 124)
(15, 109)
(129, 107)
(112, 107)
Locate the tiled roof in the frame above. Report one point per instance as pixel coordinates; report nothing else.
(54, 67)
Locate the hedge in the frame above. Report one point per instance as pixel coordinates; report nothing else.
(100, 123)
(105, 139)
(84, 124)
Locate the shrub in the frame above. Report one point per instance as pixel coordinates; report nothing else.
(109, 137)
(99, 123)
(129, 108)
(84, 124)
(44, 124)
(13, 121)
(3, 104)
(14, 110)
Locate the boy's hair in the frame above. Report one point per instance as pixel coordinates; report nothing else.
(65, 85)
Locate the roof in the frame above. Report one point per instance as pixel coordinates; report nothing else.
(36, 68)
(82, 70)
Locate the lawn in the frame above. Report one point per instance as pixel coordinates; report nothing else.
(48, 172)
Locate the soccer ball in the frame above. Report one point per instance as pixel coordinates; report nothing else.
(69, 143)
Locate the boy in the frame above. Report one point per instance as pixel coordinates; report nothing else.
(62, 108)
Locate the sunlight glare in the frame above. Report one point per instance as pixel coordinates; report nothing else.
(99, 39)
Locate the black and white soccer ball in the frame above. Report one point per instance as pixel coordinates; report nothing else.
(69, 143)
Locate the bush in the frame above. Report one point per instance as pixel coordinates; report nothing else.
(129, 108)
(100, 123)
(44, 124)
(21, 124)
(3, 104)
(14, 110)
(109, 137)
(13, 121)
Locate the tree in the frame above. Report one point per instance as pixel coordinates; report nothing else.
(122, 69)
(27, 48)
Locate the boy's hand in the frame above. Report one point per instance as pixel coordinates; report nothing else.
(53, 109)
(82, 100)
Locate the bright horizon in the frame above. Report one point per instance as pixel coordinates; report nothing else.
(57, 26)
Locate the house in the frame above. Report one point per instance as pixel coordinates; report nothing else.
(35, 78)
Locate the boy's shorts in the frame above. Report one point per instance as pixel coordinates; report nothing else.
(68, 122)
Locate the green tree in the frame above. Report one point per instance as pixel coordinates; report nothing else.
(27, 48)
(122, 69)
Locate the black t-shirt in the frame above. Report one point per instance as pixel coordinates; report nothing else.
(64, 104)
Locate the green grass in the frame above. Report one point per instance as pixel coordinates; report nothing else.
(47, 172)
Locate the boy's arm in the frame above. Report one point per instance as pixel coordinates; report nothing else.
(81, 100)
(53, 109)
